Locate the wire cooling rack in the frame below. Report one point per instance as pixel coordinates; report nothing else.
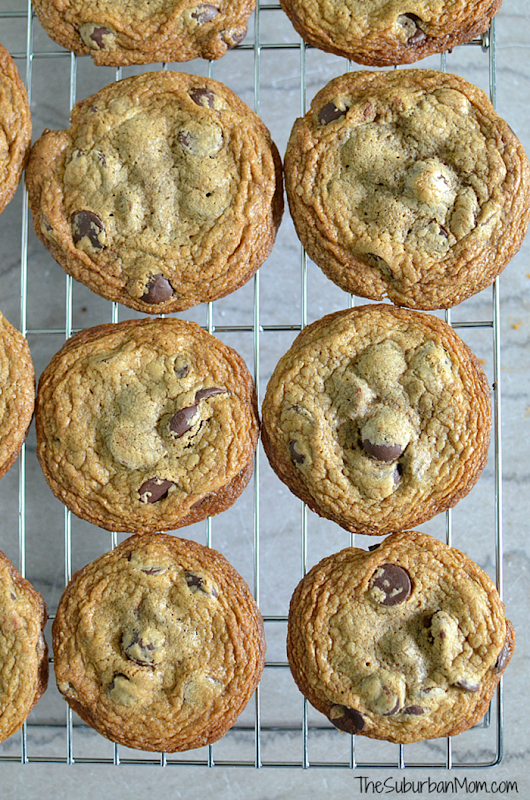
(279, 728)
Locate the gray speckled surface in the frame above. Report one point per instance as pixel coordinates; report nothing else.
(281, 303)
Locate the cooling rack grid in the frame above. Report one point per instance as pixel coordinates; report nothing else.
(269, 536)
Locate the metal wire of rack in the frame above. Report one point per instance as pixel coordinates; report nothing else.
(304, 727)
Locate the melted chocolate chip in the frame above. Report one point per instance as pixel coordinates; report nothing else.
(86, 223)
(181, 370)
(394, 582)
(158, 290)
(154, 570)
(202, 97)
(394, 710)
(329, 113)
(346, 719)
(383, 452)
(416, 710)
(113, 681)
(204, 394)
(182, 421)
(154, 489)
(232, 39)
(142, 650)
(468, 687)
(502, 659)
(204, 13)
(98, 35)
(418, 35)
(296, 457)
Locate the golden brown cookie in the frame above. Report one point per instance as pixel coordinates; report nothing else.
(158, 645)
(407, 185)
(17, 393)
(385, 32)
(378, 418)
(15, 127)
(23, 651)
(146, 425)
(164, 192)
(117, 33)
(404, 643)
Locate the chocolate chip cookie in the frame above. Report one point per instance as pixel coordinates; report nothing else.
(404, 643)
(158, 645)
(146, 425)
(407, 185)
(378, 417)
(382, 32)
(23, 651)
(117, 33)
(15, 127)
(164, 192)
(17, 393)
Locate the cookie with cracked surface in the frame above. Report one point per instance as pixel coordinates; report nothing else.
(383, 33)
(15, 127)
(166, 191)
(146, 425)
(378, 417)
(23, 651)
(158, 645)
(17, 393)
(407, 185)
(115, 33)
(404, 643)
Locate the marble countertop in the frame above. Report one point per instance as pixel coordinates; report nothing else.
(266, 534)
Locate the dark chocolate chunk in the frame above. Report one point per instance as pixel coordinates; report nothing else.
(205, 12)
(468, 687)
(330, 112)
(394, 582)
(374, 546)
(416, 710)
(204, 394)
(296, 457)
(502, 659)
(202, 97)
(98, 35)
(346, 719)
(154, 489)
(418, 35)
(182, 421)
(233, 38)
(158, 290)
(86, 223)
(383, 452)
(143, 650)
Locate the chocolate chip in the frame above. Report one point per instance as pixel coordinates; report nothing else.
(202, 97)
(468, 687)
(418, 35)
(330, 112)
(158, 290)
(398, 472)
(233, 38)
(154, 489)
(181, 370)
(194, 581)
(138, 650)
(502, 659)
(13, 595)
(416, 710)
(116, 676)
(394, 710)
(86, 223)
(98, 35)
(346, 719)
(154, 570)
(204, 13)
(296, 457)
(204, 394)
(374, 546)
(185, 139)
(182, 421)
(394, 582)
(383, 452)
